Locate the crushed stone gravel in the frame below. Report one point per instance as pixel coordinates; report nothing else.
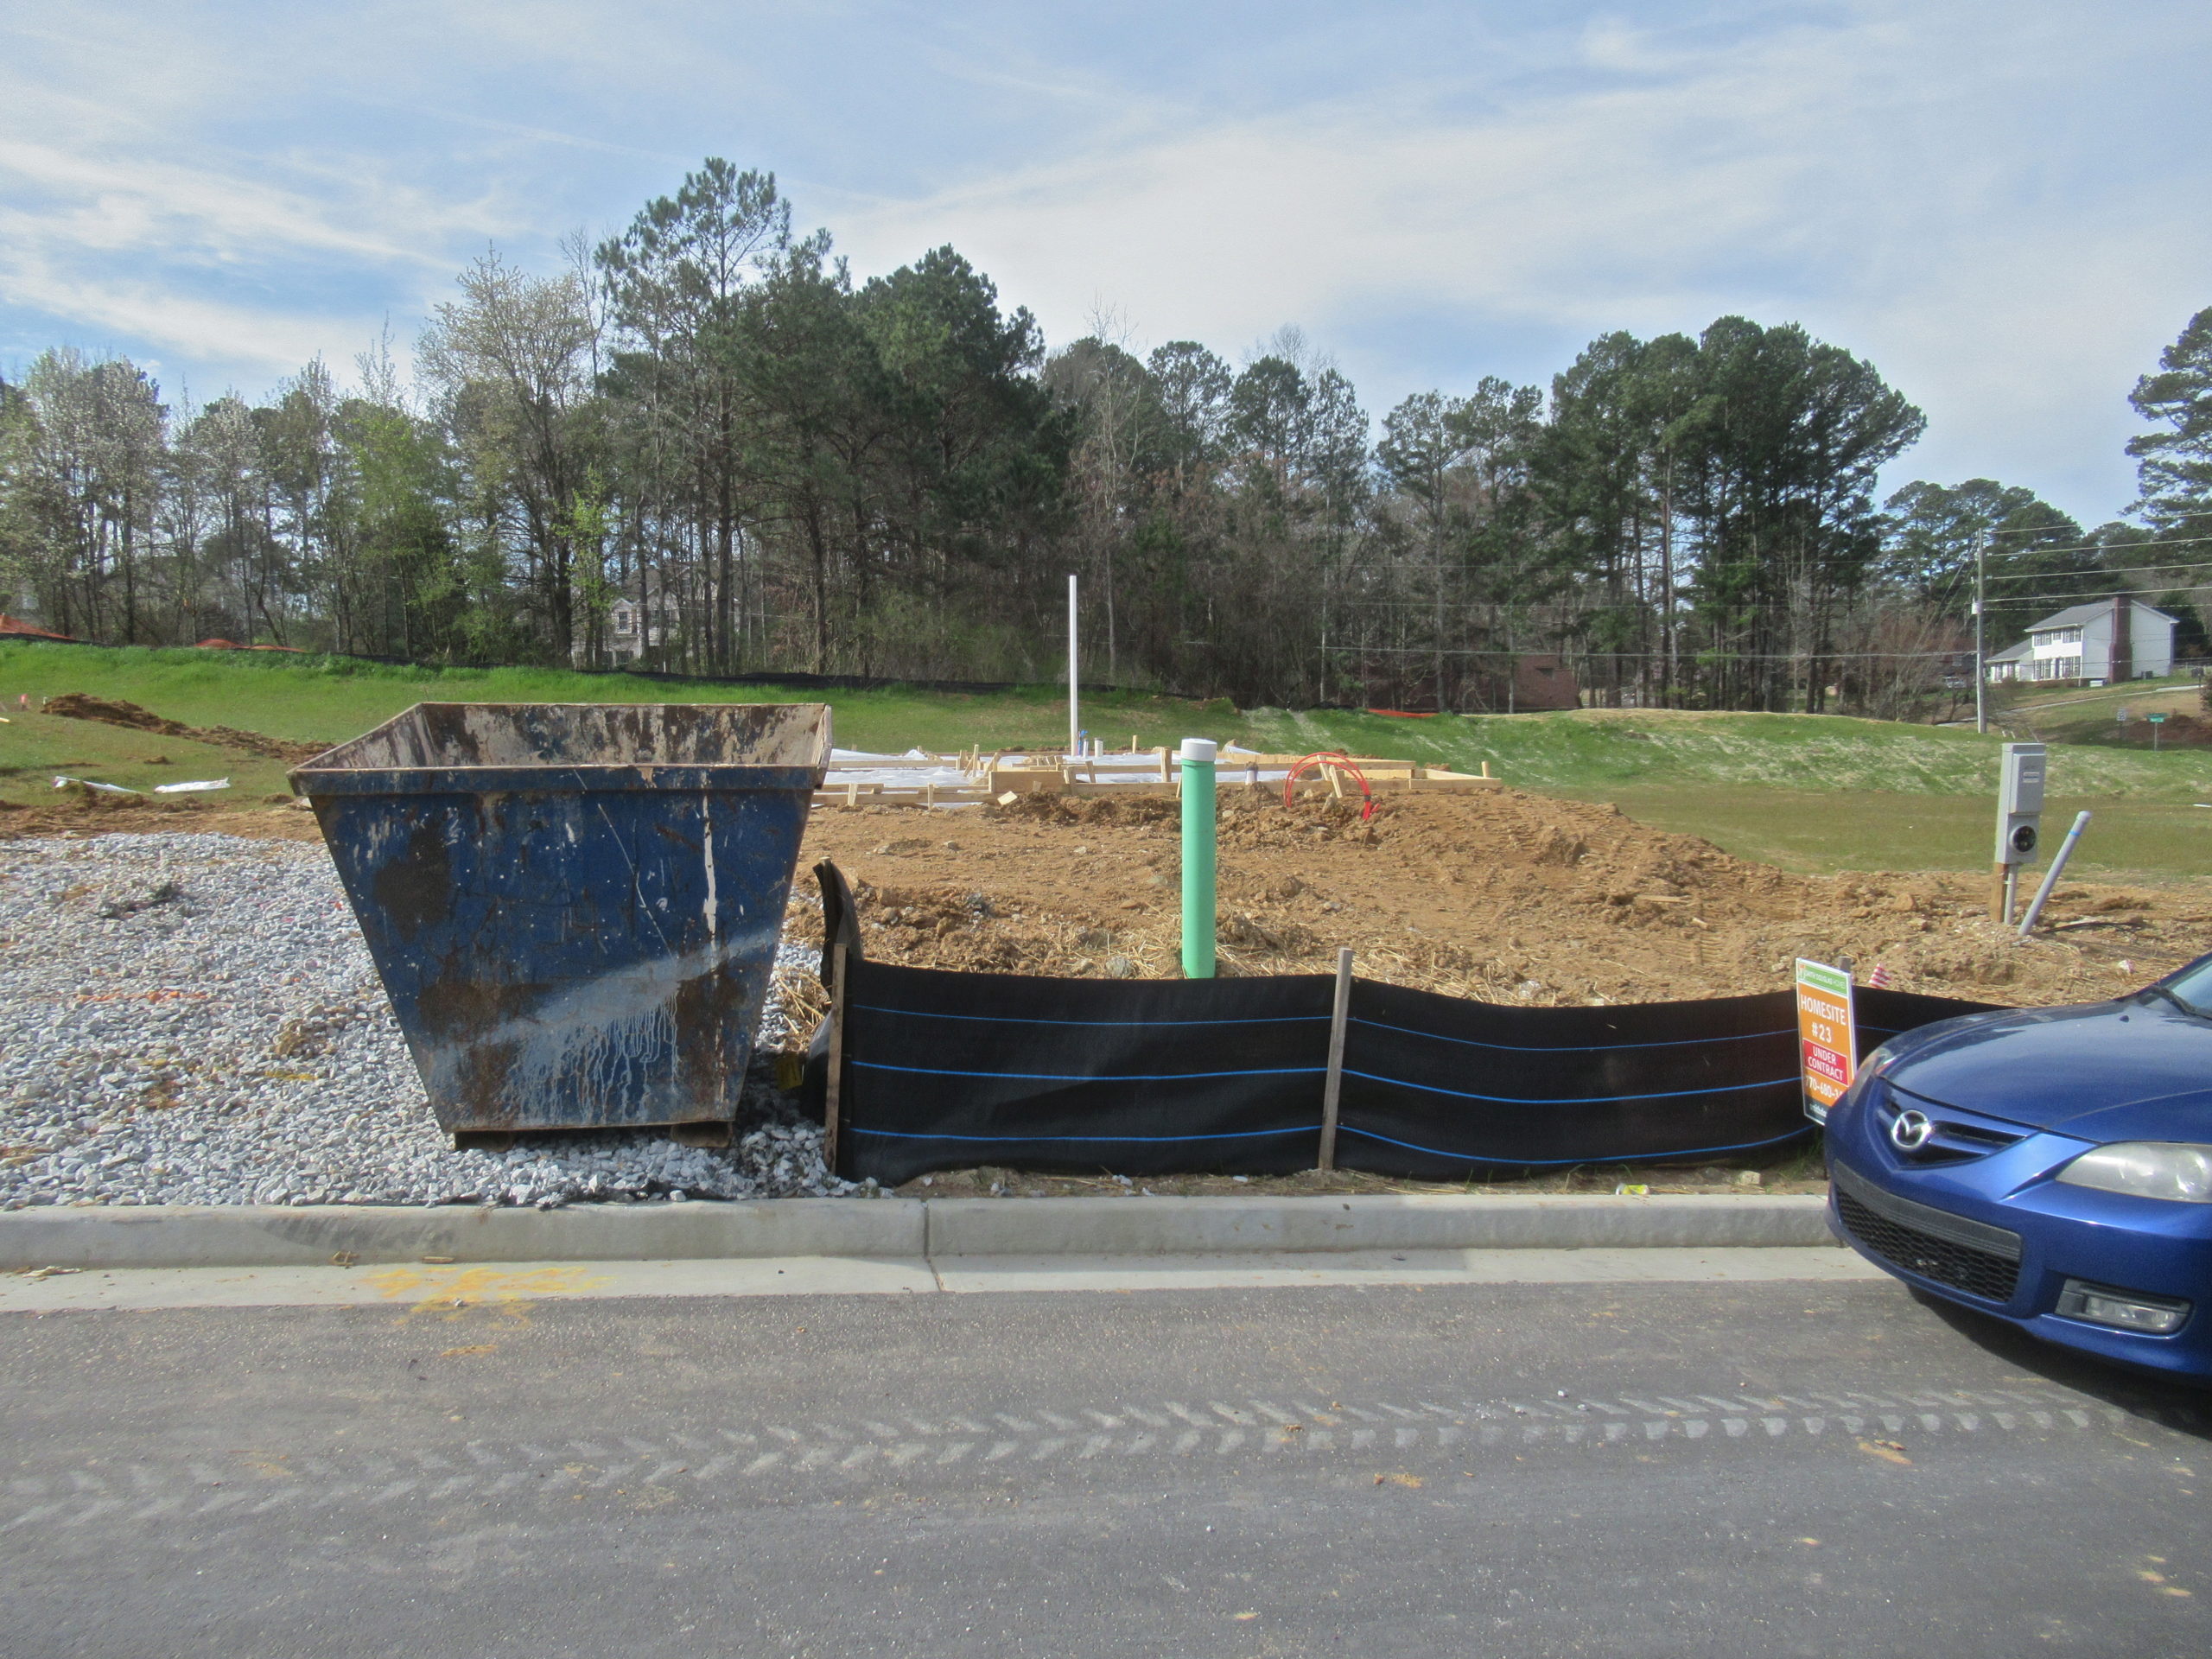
(194, 1019)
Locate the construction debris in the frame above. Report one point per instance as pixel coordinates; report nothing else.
(975, 776)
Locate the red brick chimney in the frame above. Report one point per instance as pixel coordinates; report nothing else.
(2123, 641)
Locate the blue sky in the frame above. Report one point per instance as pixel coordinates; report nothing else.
(2006, 208)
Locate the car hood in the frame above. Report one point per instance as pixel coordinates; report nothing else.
(2136, 1069)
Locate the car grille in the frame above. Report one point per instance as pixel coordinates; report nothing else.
(1956, 1136)
(1939, 1249)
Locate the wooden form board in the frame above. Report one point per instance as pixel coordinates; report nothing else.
(1040, 782)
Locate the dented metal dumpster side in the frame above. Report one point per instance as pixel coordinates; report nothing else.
(573, 907)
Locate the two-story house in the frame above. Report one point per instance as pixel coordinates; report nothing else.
(2094, 644)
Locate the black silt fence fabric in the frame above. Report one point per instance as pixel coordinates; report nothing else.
(947, 1070)
(1437, 1088)
(1883, 1014)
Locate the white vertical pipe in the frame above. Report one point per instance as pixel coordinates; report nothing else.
(1074, 718)
(2050, 875)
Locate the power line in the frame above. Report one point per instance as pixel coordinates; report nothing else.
(2100, 547)
(2039, 529)
(1689, 659)
(2084, 599)
(2127, 570)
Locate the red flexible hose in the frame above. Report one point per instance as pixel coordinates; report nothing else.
(1342, 762)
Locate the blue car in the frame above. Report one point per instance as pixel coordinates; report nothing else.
(2051, 1167)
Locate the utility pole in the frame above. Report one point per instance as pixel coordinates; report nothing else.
(1075, 717)
(1980, 667)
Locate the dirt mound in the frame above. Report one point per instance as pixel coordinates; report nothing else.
(79, 812)
(1507, 896)
(76, 705)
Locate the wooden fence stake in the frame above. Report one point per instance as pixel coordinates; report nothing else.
(833, 1101)
(1330, 1091)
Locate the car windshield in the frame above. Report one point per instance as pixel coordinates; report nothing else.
(2193, 989)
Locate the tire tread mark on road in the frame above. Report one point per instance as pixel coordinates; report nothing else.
(1303, 1431)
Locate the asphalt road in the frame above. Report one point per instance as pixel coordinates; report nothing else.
(1622, 1469)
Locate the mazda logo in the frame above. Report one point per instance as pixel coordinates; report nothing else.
(1911, 1131)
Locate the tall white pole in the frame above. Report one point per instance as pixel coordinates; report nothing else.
(1074, 718)
(1980, 661)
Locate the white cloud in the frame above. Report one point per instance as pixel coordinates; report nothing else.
(102, 310)
(1865, 175)
(2003, 205)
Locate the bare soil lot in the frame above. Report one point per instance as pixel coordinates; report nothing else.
(1504, 895)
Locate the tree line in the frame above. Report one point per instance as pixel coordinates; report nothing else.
(704, 445)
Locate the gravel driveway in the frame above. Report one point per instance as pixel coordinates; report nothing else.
(194, 1019)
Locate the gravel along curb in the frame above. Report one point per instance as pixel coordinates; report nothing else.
(193, 1020)
(155, 1235)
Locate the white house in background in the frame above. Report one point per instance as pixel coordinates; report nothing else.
(2104, 640)
(634, 624)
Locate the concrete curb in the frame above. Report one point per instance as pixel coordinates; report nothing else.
(265, 1236)
(251, 1236)
(1377, 1222)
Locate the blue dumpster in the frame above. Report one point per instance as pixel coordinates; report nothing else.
(573, 907)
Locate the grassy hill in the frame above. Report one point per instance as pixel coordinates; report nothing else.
(2077, 716)
(1809, 792)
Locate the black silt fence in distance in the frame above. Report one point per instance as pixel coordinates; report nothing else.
(945, 1070)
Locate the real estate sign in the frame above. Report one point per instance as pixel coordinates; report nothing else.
(1827, 1037)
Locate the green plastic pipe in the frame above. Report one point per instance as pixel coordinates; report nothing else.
(1197, 857)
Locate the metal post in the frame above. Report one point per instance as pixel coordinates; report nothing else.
(2050, 875)
(1074, 718)
(1981, 666)
(833, 1093)
(1333, 1087)
(1198, 858)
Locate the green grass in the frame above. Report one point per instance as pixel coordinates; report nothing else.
(2091, 716)
(34, 747)
(1824, 831)
(1806, 791)
(1600, 749)
(327, 700)
(330, 699)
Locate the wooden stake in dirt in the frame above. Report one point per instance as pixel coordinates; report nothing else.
(832, 1092)
(1338, 1016)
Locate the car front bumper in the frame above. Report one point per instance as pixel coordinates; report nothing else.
(1999, 1235)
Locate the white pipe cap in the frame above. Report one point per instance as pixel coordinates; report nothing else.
(1199, 749)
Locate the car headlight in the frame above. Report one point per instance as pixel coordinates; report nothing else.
(2147, 1169)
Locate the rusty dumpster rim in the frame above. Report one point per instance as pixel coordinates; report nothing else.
(556, 779)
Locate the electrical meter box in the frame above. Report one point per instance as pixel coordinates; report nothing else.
(2019, 802)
